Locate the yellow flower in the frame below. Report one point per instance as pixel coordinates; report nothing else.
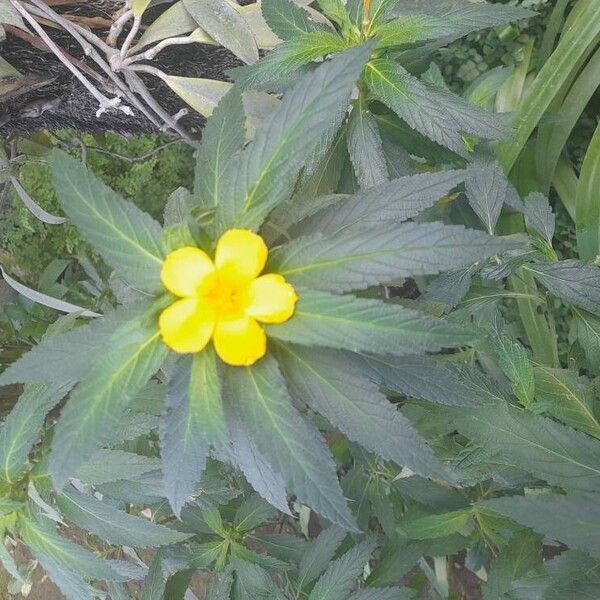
(224, 300)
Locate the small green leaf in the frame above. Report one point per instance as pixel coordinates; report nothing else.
(287, 19)
(318, 553)
(438, 525)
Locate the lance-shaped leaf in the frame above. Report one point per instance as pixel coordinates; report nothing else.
(287, 19)
(390, 202)
(366, 148)
(226, 25)
(418, 377)
(66, 357)
(353, 404)
(289, 442)
(587, 329)
(65, 562)
(539, 216)
(445, 22)
(358, 259)
(127, 238)
(222, 138)
(436, 113)
(364, 325)
(108, 465)
(307, 119)
(546, 514)
(318, 554)
(194, 419)
(244, 454)
(572, 280)
(549, 450)
(112, 524)
(341, 575)
(21, 429)
(96, 405)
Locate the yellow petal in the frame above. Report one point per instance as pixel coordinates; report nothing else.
(185, 271)
(186, 326)
(240, 342)
(240, 254)
(271, 299)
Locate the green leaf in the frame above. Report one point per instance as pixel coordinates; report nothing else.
(290, 443)
(366, 148)
(436, 113)
(107, 466)
(335, 10)
(520, 555)
(328, 383)
(96, 405)
(127, 238)
(318, 554)
(21, 428)
(112, 524)
(253, 582)
(586, 327)
(539, 216)
(438, 525)
(515, 364)
(446, 22)
(66, 357)
(65, 563)
(222, 138)
(139, 7)
(307, 119)
(567, 397)
(226, 25)
(287, 19)
(356, 260)
(341, 575)
(486, 186)
(253, 512)
(419, 377)
(587, 214)
(390, 202)
(549, 450)
(382, 594)
(173, 22)
(573, 281)
(546, 514)
(364, 325)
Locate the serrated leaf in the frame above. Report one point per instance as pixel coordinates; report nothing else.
(438, 525)
(126, 237)
(383, 594)
(549, 450)
(520, 555)
(65, 563)
(546, 514)
(96, 405)
(364, 325)
(252, 512)
(451, 288)
(586, 327)
(286, 546)
(21, 428)
(486, 186)
(309, 114)
(318, 554)
(353, 404)
(194, 420)
(572, 280)
(291, 444)
(67, 356)
(244, 455)
(222, 138)
(287, 19)
(437, 114)
(340, 576)
(106, 466)
(391, 202)
(568, 397)
(366, 148)
(112, 524)
(226, 25)
(253, 582)
(539, 216)
(419, 377)
(356, 260)
(446, 22)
